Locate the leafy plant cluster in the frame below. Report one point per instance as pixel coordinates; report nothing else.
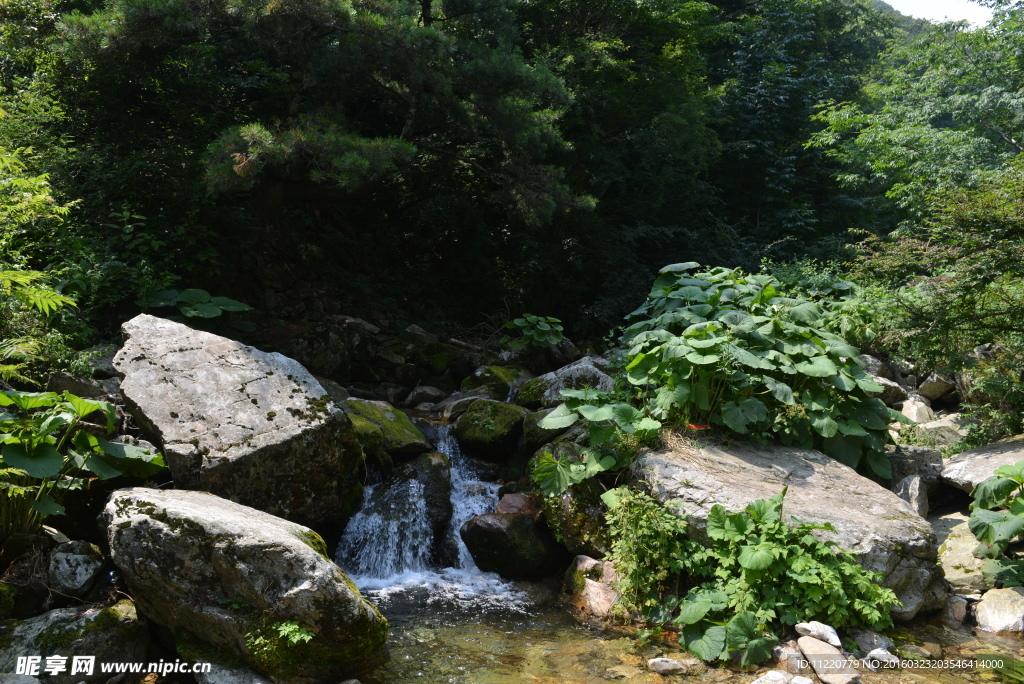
(757, 575)
(25, 303)
(196, 303)
(997, 520)
(50, 446)
(728, 348)
(615, 429)
(534, 331)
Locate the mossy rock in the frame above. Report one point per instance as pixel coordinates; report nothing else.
(8, 594)
(398, 434)
(576, 518)
(535, 436)
(113, 633)
(497, 379)
(490, 430)
(532, 392)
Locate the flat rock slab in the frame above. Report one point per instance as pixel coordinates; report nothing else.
(214, 571)
(1001, 610)
(967, 469)
(829, 663)
(876, 526)
(251, 426)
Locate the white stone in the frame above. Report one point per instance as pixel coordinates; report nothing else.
(1001, 610)
(967, 469)
(666, 666)
(956, 553)
(917, 409)
(820, 631)
(774, 677)
(912, 490)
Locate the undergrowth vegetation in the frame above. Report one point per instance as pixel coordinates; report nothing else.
(756, 577)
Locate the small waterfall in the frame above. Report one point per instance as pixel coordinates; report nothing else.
(389, 535)
(385, 547)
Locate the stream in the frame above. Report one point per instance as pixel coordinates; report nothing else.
(459, 625)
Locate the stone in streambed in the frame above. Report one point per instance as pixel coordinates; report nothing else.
(213, 571)
(490, 430)
(513, 545)
(828, 662)
(398, 435)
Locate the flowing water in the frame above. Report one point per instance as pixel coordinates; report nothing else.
(458, 625)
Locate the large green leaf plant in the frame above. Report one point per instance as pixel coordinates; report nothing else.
(49, 445)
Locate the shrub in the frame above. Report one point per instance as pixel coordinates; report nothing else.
(757, 576)
(47, 445)
(997, 518)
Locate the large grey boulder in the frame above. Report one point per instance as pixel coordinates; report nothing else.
(908, 460)
(881, 530)
(250, 426)
(967, 469)
(944, 431)
(112, 634)
(218, 572)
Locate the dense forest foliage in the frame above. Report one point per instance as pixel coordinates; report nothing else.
(455, 161)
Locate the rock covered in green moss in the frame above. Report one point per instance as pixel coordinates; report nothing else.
(112, 634)
(576, 518)
(546, 390)
(490, 430)
(514, 545)
(248, 425)
(497, 379)
(398, 434)
(215, 572)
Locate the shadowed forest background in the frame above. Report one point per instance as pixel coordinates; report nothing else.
(455, 162)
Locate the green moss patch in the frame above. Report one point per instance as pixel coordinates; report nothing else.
(490, 429)
(399, 435)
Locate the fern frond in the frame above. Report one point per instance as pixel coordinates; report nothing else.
(20, 349)
(44, 300)
(10, 372)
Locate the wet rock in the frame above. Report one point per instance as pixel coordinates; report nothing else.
(819, 631)
(880, 658)
(398, 435)
(490, 430)
(513, 545)
(954, 612)
(433, 472)
(891, 393)
(666, 666)
(944, 431)
(829, 663)
(456, 404)
(789, 657)
(967, 469)
(425, 394)
(956, 553)
(249, 426)
(589, 585)
(912, 490)
(935, 386)
(774, 677)
(876, 367)
(74, 566)
(908, 460)
(1001, 610)
(519, 502)
(214, 571)
(546, 389)
(917, 409)
(872, 523)
(869, 640)
(112, 634)
(495, 379)
(576, 516)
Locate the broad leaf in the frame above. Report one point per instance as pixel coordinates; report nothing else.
(755, 557)
(42, 463)
(817, 367)
(707, 642)
(993, 492)
(779, 390)
(990, 527)
(745, 634)
(47, 505)
(561, 417)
